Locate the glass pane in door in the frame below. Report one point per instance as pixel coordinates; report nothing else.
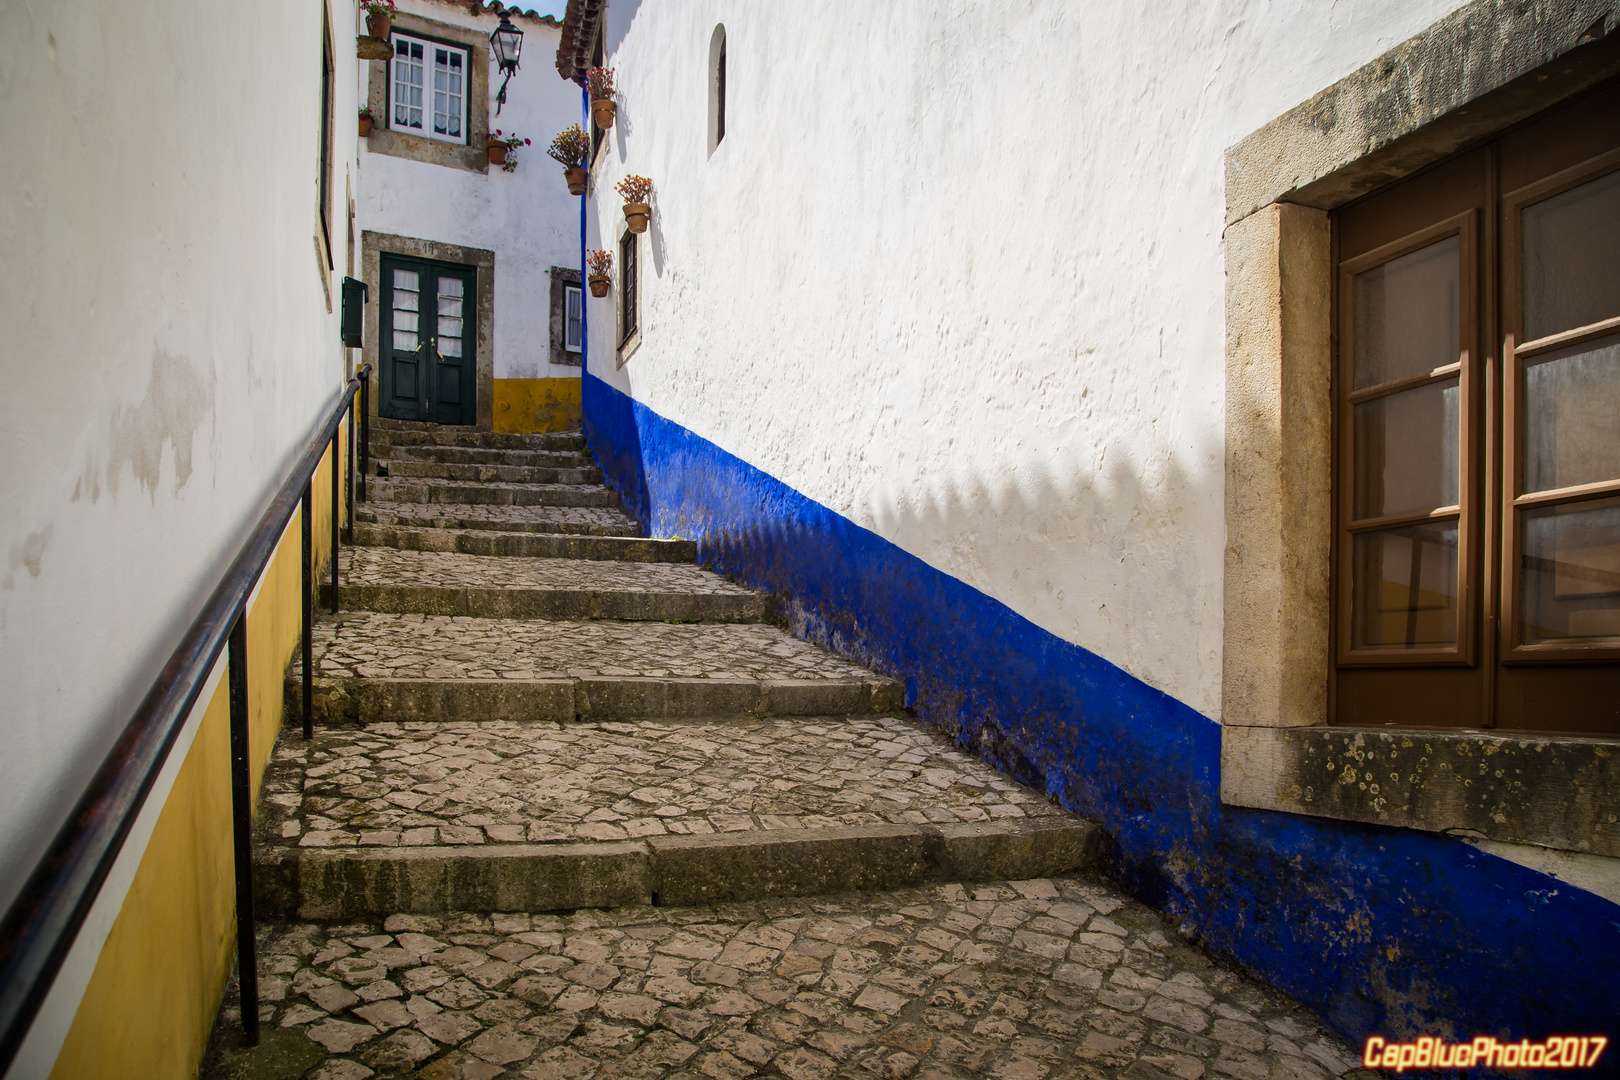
(1571, 271)
(1404, 593)
(450, 316)
(1569, 580)
(1572, 416)
(1407, 315)
(406, 302)
(1406, 451)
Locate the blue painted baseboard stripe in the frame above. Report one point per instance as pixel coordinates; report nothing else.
(1381, 931)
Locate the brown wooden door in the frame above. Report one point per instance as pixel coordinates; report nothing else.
(1477, 473)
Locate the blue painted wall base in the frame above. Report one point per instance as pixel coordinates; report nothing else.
(1381, 931)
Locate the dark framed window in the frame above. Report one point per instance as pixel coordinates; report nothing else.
(1477, 443)
(598, 58)
(323, 174)
(567, 316)
(629, 279)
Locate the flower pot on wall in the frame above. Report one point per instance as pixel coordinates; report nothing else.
(576, 180)
(602, 112)
(497, 153)
(365, 126)
(379, 26)
(599, 285)
(635, 216)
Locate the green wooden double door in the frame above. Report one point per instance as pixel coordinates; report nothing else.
(427, 341)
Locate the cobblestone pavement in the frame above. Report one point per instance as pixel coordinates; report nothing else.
(395, 785)
(381, 646)
(1029, 980)
(431, 569)
(601, 520)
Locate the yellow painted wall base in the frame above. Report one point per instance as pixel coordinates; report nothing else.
(523, 406)
(151, 1001)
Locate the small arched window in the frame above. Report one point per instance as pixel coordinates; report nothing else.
(717, 87)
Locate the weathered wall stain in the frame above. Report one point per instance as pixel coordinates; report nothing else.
(176, 403)
(1380, 930)
(27, 554)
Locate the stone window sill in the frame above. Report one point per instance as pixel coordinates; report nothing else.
(1561, 793)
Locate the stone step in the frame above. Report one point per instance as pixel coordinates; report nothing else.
(384, 436)
(534, 817)
(444, 583)
(491, 474)
(567, 520)
(530, 545)
(372, 667)
(1009, 980)
(462, 455)
(455, 493)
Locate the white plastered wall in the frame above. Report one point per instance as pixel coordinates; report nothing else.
(526, 217)
(168, 345)
(956, 272)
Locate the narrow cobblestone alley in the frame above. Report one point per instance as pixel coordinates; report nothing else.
(577, 720)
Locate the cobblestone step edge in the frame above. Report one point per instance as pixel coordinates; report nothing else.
(500, 474)
(663, 871)
(532, 545)
(592, 699)
(383, 437)
(457, 493)
(477, 455)
(517, 602)
(427, 519)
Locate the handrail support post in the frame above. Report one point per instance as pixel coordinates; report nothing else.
(247, 963)
(306, 531)
(337, 480)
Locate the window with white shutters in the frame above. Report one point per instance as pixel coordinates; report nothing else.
(428, 89)
(571, 321)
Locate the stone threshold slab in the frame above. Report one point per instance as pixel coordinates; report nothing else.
(473, 455)
(384, 435)
(663, 871)
(455, 493)
(418, 516)
(404, 469)
(532, 545)
(349, 701)
(511, 602)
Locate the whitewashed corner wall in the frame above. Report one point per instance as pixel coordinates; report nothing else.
(168, 345)
(526, 217)
(955, 272)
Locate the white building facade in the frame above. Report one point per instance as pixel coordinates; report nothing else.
(432, 206)
(1007, 347)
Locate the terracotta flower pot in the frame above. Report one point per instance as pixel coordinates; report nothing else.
(576, 180)
(635, 216)
(497, 153)
(379, 25)
(602, 111)
(599, 285)
(365, 126)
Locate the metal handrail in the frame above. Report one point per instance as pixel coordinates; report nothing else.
(43, 921)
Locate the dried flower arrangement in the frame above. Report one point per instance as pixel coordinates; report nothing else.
(600, 270)
(571, 147)
(603, 108)
(634, 189)
(601, 83)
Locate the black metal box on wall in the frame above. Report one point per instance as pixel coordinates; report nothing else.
(352, 323)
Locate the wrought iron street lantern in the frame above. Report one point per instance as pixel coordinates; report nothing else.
(506, 42)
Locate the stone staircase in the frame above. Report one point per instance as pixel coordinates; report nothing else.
(526, 705)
